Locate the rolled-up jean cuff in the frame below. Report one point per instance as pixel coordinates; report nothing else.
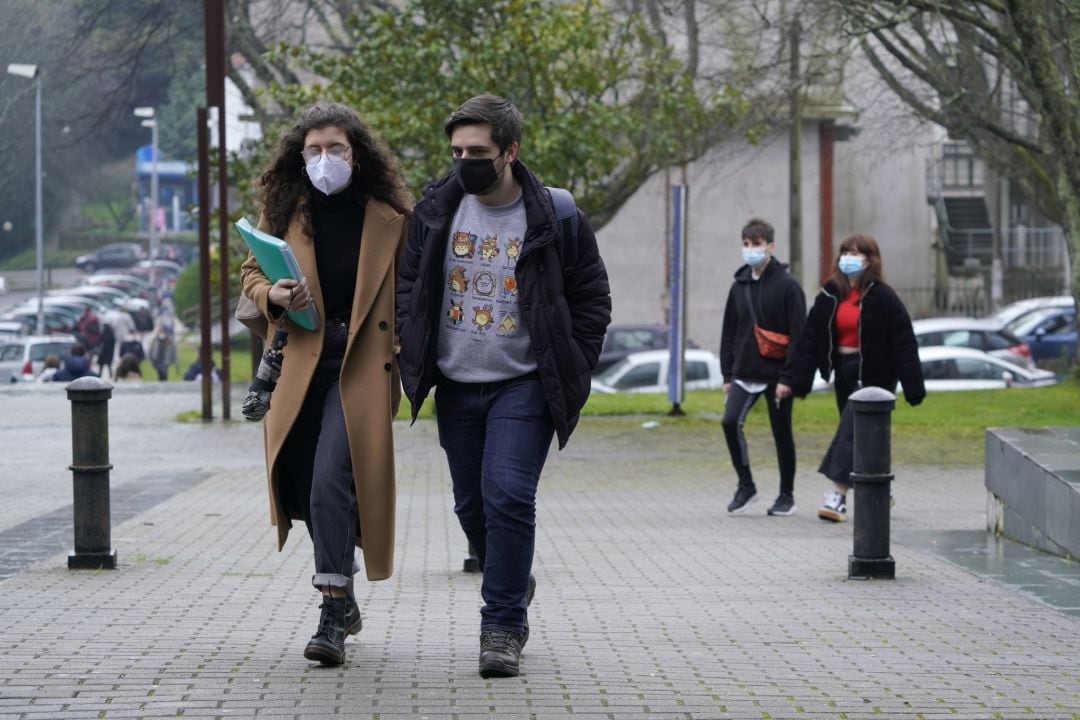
(321, 580)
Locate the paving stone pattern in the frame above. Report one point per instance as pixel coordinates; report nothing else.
(651, 602)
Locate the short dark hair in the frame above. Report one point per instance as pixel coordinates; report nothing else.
(757, 229)
(499, 113)
(76, 350)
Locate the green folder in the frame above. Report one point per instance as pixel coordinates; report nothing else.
(277, 261)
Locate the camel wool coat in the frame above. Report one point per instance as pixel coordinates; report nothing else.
(370, 382)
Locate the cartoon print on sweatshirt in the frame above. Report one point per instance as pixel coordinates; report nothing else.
(458, 282)
(464, 245)
(489, 249)
(513, 249)
(482, 317)
(456, 314)
(509, 286)
(483, 283)
(508, 325)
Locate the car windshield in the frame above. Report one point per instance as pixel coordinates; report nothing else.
(1026, 324)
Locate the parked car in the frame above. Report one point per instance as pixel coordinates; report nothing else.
(57, 319)
(647, 371)
(1049, 332)
(1013, 311)
(108, 296)
(113, 255)
(13, 327)
(621, 340)
(959, 368)
(3, 285)
(985, 335)
(133, 286)
(22, 358)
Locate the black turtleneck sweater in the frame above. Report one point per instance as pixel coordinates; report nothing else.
(339, 222)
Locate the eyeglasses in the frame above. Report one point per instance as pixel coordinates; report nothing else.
(334, 153)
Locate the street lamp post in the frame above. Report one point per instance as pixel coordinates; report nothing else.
(31, 72)
(151, 122)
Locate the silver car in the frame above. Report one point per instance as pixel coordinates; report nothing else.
(23, 358)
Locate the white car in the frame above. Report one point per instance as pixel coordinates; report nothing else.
(3, 285)
(958, 368)
(985, 335)
(647, 372)
(1014, 311)
(22, 358)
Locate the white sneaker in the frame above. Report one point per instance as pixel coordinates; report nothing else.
(835, 507)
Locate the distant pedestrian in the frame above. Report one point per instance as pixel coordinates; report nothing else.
(194, 371)
(75, 366)
(128, 369)
(162, 351)
(88, 329)
(763, 320)
(52, 365)
(106, 350)
(510, 368)
(860, 332)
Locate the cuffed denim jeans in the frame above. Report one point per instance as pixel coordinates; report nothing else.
(496, 437)
(332, 511)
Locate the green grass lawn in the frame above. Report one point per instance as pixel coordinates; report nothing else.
(948, 428)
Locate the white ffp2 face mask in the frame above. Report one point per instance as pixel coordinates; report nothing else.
(328, 176)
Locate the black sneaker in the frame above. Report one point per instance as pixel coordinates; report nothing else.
(784, 505)
(354, 621)
(500, 654)
(327, 645)
(744, 495)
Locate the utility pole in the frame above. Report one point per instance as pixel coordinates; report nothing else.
(795, 148)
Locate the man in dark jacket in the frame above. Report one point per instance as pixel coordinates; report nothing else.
(503, 309)
(764, 299)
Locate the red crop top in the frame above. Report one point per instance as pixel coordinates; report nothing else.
(847, 321)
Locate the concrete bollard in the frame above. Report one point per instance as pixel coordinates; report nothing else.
(90, 466)
(872, 479)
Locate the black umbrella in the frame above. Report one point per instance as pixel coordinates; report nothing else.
(257, 402)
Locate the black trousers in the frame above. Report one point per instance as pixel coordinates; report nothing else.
(839, 460)
(737, 405)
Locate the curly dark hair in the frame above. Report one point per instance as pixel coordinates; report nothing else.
(376, 172)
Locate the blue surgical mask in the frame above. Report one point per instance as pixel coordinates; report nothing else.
(754, 256)
(851, 265)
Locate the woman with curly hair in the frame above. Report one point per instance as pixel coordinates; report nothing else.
(335, 194)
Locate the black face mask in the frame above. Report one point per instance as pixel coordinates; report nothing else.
(476, 176)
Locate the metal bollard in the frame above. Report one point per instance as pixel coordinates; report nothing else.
(90, 465)
(872, 479)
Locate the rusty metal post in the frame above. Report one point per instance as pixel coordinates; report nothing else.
(872, 480)
(90, 465)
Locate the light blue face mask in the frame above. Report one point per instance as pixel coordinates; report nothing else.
(851, 265)
(754, 256)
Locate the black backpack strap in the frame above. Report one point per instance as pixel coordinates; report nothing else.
(566, 213)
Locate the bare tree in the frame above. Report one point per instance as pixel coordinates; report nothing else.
(1002, 74)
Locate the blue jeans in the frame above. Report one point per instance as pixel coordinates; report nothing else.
(496, 437)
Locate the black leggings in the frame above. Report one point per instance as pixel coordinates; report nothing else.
(737, 406)
(839, 460)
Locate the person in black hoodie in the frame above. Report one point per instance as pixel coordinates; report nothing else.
(859, 328)
(503, 309)
(764, 297)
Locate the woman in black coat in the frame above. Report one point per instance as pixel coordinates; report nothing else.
(859, 328)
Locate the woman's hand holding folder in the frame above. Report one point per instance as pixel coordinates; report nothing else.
(290, 294)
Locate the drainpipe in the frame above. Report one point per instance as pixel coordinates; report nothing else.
(825, 170)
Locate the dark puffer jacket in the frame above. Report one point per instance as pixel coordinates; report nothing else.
(888, 351)
(563, 294)
(779, 305)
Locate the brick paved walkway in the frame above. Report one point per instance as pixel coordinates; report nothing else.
(652, 602)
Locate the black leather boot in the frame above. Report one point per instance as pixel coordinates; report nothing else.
(327, 645)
